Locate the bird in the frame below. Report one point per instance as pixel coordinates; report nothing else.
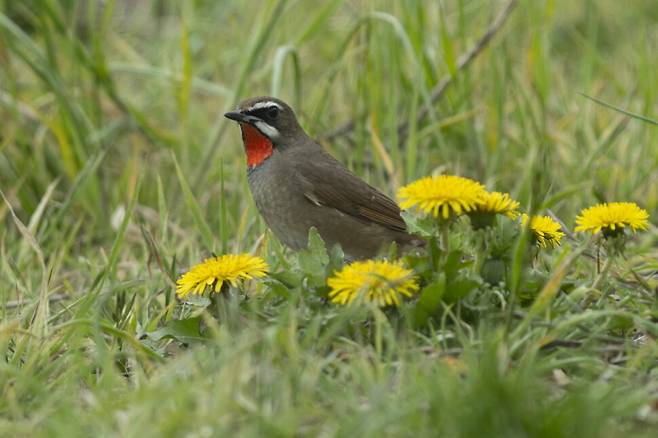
(297, 185)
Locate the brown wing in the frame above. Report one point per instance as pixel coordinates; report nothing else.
(329, 183)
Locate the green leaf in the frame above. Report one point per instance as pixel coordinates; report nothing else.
(493, 271)
(315, 258)
(336, 257)
(460, 288)
(277, 288)
(416, 225)
(453, 264)
(289, 278)
(430, 299)
(183, 330)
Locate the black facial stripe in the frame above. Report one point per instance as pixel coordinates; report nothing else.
(261, 113)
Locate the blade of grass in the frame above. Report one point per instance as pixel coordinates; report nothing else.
(620, 110)
(195, 210)
(256, 47)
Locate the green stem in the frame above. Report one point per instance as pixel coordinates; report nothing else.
(216, 302)
(603, 273)
(481, 252)
(445, 238)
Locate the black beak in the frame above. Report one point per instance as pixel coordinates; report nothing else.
(238, 117)
(242, 118)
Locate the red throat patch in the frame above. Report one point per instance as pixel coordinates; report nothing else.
(257, 146)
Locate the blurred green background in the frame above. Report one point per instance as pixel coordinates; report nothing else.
(116, 157)
(93, 96)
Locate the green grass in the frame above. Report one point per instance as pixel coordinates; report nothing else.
(118, 171)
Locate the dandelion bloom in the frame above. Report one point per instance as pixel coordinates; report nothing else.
(215, 271)
(375, 281)
(497, 203)
(612, 217)
(491, 204)
(545, 230)
(442, 196)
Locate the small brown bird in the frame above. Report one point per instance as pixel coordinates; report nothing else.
(296, 185)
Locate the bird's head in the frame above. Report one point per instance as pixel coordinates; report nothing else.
(266, 123)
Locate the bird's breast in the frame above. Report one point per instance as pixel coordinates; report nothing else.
(280, 201)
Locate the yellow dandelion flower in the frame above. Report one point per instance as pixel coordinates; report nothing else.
(491, 204)
(215, 271)
(375, 281)
(442, 196)
(612, 217)
(497, 203)
(544, 229)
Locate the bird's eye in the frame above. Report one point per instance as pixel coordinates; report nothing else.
(273, 112)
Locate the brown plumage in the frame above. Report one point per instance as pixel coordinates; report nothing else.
(296, 185)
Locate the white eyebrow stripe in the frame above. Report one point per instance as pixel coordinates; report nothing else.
(264, 104)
